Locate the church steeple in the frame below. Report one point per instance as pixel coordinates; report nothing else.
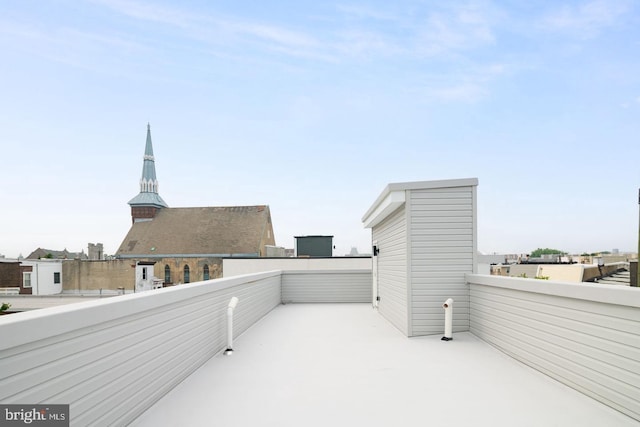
(146, 204)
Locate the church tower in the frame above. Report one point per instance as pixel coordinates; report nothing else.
(146, 204)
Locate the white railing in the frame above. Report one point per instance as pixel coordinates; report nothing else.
(584, 335)
(10, 291)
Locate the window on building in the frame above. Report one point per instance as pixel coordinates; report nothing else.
(167, 274)
(186, 274)
(26, 280)
(144, 273)
(206, 272)
(56, 277)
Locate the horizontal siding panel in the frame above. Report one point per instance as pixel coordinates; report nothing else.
(439, 230)
(111, 359)
(441, 219)
(563, 326)
(445, 265)
(439, 240)
(444, 215)
(435, 248)
(598, 339)
(426, 282)
(589, 345)
(459, 296)
(442, 252)
(451, 247)
(391, 236)
(431, 279)
(435, 259)
(556, 361)
(441, 192)
(537, 358)
(460, 312)
(618, 361)
(460, 207)
(606, 316)
(326, 286)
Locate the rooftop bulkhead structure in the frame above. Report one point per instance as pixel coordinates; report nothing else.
(424, 241)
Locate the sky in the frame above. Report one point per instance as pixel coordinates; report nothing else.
(313, 107)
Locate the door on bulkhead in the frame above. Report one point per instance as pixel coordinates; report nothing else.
(374, 274)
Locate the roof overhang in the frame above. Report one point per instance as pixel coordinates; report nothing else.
(392, 201)
(394, 196)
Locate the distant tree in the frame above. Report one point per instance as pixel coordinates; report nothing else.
(546, 251)
(49, 255)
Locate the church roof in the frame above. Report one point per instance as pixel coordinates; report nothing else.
(203, 231)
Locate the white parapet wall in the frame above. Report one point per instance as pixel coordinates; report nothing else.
(332, 286)
(111, 359)
(584, 335)
(236, 266)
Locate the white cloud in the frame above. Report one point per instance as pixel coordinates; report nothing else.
(469, 86)
(586, 20)
(150, 12)
(210, 29)
(459, 28)
(362, 12)
(367, 43)
(465, 92)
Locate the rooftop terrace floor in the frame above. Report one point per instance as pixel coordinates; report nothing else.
(345, 365)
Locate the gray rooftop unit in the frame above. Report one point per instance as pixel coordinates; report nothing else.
(314, 246)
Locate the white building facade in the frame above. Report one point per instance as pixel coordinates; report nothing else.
(45, 277)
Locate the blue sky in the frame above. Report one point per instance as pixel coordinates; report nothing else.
(314, 107)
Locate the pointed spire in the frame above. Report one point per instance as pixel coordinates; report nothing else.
(148, 182)
(149, 165)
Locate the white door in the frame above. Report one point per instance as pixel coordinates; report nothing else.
(374, 274)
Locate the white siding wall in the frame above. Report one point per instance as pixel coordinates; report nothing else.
(237, 266)
(112, 359)
(391, 236)
(442, 249)
(586, 336)
(326, 286)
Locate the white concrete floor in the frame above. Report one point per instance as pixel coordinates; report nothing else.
(345, 365)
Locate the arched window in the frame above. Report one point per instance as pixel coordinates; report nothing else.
(167, 274)
(186, 274)
(206, 272)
